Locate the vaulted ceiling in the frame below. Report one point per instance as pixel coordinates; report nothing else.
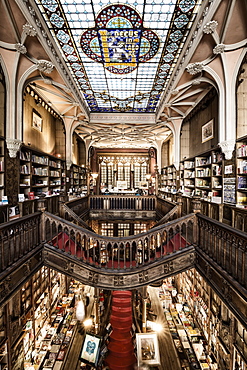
(120, 72)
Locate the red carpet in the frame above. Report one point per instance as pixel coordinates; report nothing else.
(63, 242)
(121, 354)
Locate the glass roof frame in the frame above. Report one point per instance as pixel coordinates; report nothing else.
(122, 54)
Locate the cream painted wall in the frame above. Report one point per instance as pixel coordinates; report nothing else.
(44, 140)
(241, 104)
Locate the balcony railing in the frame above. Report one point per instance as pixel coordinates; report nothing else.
(120, 253)
(18, 238)
(123, 202)
(225, 246)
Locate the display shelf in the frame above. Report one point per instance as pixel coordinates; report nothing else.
(78, 179)
(40, 173)
(189, 340)
(202, 176)
(54, 333)
(167, 179)
(241, 174)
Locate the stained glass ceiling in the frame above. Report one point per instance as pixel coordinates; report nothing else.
(121, 54)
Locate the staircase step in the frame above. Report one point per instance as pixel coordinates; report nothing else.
(119, 300)
(120, 347)
(122, 293)
(121, 310)
(115, 363)
(117, 335)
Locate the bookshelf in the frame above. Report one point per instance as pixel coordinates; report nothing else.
(241, 152)
(167, 179)
(78, 179)
(40, 173)
(2, 167)
(189, 177)
(202, 176)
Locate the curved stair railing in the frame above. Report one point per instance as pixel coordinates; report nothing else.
(125, 253)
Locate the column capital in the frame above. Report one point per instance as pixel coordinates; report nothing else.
(227, 148)
(13, 146)
(68, 164)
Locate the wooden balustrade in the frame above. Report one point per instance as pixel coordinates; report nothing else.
(123, 202)
(225, 246)
(18, 237)
(120, 253)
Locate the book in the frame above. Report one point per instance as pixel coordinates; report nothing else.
(21, 197)
(5, 199)
(30, 195)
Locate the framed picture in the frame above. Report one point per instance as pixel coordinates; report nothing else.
(147, 349)
(37, 121)
(208, 131)
(90, 349)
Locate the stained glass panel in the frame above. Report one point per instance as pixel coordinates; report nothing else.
(121, 55)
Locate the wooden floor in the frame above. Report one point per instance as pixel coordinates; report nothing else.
(168, 354)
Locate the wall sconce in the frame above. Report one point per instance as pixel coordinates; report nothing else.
(148, 176)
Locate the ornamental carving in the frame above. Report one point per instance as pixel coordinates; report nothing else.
(118, 280)
(29, 30)
(168, 267)
(210, 27)
(69, 268)
(27, 268)
(196, 82)
(195, 68)
(227, 148)
(68, 164)
(226, 290)
(44, 66)
(219, 49)
(93, 277)
(13, 146)
(20, 48)
(143, 276)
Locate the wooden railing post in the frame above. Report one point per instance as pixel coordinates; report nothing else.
(179, 204)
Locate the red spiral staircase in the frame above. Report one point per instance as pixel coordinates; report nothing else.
(121, 354)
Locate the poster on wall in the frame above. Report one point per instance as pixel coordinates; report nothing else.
(147, 349)
(208, 131)
(91, 349)
(229, 190)
(37, 121)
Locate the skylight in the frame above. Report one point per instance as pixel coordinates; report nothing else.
(121, 55)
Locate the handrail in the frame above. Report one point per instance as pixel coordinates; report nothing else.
(75, 217)
(120, 253)
(120, 202)
(168, 216)
(19, 237)
(225, 245)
